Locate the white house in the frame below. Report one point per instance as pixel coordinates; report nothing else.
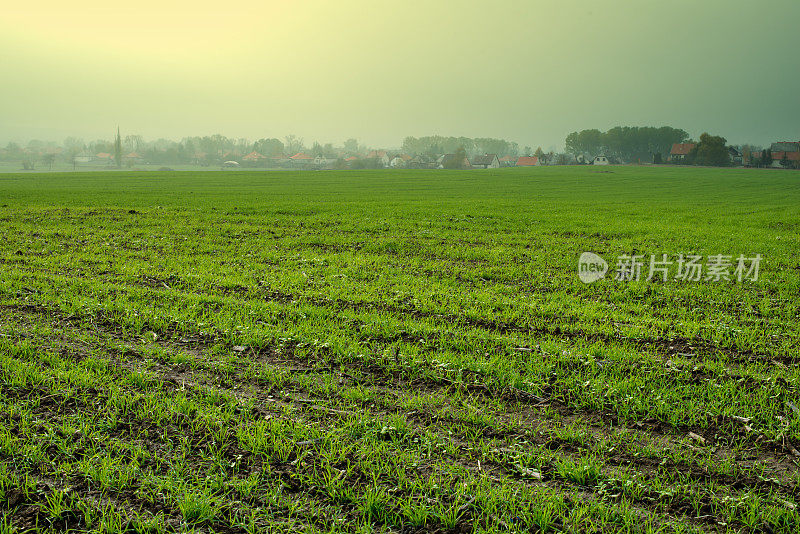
(600, 160)
(487, 161)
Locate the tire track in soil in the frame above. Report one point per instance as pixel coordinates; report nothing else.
(694, 347)
(509, 473)
(654, 427)
(691, 471)
(130, 429)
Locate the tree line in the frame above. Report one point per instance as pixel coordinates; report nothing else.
(210, 149)
(626, 143)
(438, 144)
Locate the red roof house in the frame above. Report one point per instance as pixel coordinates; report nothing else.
(254, 156)
(680, 151)
(527, 161)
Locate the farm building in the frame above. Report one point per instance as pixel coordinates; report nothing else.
(508, 161)
(528, 161)
(785, 153)
(487, 161)
(736, 155)
(301, 159)
(600, 160)
(254, 157)
(680, 151)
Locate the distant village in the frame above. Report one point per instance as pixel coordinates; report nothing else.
(220, 152)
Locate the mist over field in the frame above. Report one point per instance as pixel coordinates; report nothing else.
(527, 71)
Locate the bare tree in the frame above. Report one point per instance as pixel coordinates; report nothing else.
(293, 144)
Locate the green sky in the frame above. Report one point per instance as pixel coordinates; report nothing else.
(527, 70)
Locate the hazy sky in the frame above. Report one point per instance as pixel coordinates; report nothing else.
(526, 70)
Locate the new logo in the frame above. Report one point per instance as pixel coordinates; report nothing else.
(591, 267)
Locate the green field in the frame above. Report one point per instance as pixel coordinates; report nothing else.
(396, 351)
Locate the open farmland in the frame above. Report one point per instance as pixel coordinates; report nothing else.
(400, 351)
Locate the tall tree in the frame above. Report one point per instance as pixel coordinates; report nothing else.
(711, 150)
(133, 142)
(766, 157)
(293, 144)
(269, 147)
(351, 146)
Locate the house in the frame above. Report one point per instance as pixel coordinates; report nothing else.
(380, 155)
(600, 160)
(487, 161)
(680, 151)
(301, 159)
(527, 161)
(132, 157)
(737, 158)
(450, 161)
(254, 157)
(785, 153)
(508, 161)
(104, 157)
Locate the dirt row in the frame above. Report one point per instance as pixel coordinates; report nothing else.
(430, 422)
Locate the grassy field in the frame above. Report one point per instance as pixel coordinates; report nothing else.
(61, 166)
(396, 351)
